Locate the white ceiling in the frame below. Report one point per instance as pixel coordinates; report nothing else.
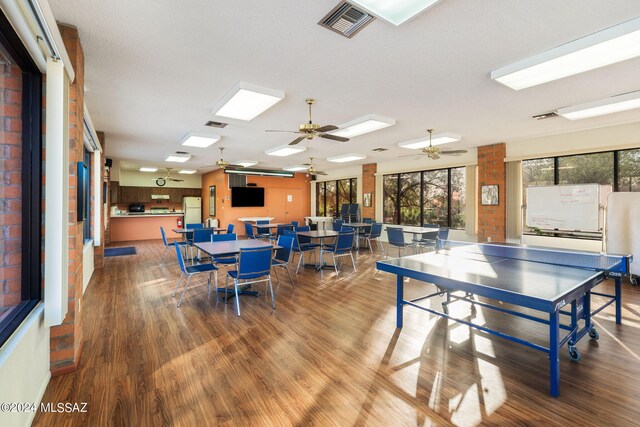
(155, 68)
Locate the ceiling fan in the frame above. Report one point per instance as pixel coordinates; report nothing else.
(312, 170)
(160, 182)
(222, 163)
(311, 130)
(434, 152)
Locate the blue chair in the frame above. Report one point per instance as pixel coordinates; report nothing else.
(367, 220)
(282, 256)
(248, 229)
(263, 232)
(341, 247)
(167, 246)
(189, 236)
(224, 260)
(295, 223)
(395, 235)
(194, 226)
(230, 228)
(427, 225)
(191, 271)
(254, 266)
(306, 240)
(374, 234)
(200, 235)
(428, 240)
(299, 247)
(336, 224)
(443, 234)
(281, 228)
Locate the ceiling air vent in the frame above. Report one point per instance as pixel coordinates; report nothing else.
(380, 149)
(545, 115)
(346, 19)
(213, 124)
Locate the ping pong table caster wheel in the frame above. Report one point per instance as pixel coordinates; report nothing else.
(593, 334)
(633, 279)
(574, 354)
(445, 309)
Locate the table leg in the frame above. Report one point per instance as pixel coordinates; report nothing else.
(618, 286)
(399, 300)
(554, 353)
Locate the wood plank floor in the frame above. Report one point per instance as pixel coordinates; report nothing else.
(328, 355)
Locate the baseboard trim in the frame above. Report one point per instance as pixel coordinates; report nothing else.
(67, 369)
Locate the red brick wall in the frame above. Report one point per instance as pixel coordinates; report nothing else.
(66, 339)
(369, 186)
(492, 170)
(10, 185)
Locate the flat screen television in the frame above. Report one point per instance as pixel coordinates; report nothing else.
(243, 197)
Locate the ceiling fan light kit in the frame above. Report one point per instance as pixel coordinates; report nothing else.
(363, 125)
(430, 150)
(606, 47)
(245, 101)
(199, 140)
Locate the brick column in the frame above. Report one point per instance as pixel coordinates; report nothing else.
(369, 186)
(492, 170)
(66, 339)
(98, 251)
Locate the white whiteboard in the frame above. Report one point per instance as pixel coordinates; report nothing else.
(566, 207)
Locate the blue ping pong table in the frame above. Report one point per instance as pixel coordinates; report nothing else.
(549, 281)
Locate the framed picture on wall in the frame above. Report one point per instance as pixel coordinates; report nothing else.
(489, 195)
(366, 199)
(212, 200)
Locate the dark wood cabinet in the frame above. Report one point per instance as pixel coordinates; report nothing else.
(114, 192)
(143, 194)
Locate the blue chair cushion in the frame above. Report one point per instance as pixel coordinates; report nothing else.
(200, 268)
(231, 260)
(234, 274)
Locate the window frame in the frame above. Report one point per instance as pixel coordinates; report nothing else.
(31, 273)
(322, 201)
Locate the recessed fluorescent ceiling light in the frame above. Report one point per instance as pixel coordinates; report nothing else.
(178, 158)
(246, 101)
(346, 158)
(362, 125)
(193, 139)
(284, 150)
(145, 169)
(246, 163)
(441, 138)
(296, 168)
(394, 11)
(615, 104)
(615, 44)
(187, 171)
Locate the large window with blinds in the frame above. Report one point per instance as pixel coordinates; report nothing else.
(20, 181)
(331, 195)
(433, 196)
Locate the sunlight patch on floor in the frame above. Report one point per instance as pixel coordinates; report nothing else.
(494, 393)
(465, 408)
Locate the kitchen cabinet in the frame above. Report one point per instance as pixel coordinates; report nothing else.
(114, 192)
(143, 194)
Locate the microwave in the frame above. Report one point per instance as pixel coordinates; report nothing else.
(137, 207)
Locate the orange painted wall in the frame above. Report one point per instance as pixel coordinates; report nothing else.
(275, 190)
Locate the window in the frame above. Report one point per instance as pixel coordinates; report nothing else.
(331, 195)
(629, 170)
(20, 180)
(415, 198)
(586, 168)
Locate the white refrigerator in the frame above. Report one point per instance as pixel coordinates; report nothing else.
(192, 208)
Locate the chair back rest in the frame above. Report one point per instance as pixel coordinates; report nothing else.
(180, 259)
(426, 225)
(303, 228)
(262, 221)
(443, 233)
(254, 262)
(202, 234)
(347, 229)
(282, 227)
(294, 236)
(284, 254)
(395, 235)
(230, 228)
(344, 242)
(337, 224)
(164, 237)
(193, 226)
(367, 220)
(223, 237)
(248, 228)
(430, 235)
(294, 223)
(304, 239)
(376, 230)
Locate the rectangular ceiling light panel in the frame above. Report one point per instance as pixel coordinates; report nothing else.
(395, 11)
(439, 139)
(296, 168)
(179, 158)
(615, 104)
(615, 44)
(200, 140)
(187, 171)
(362, 125)
(352, 157)
(246, 163)
(285, 150)
(146, 169)
(245, 101)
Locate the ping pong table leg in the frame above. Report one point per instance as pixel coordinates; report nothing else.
(554, 353)
(399, 300)
(618, 285)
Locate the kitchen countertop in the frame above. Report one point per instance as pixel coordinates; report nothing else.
(145, 214)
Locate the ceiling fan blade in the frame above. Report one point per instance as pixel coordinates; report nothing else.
(327, 128)
(334, 137)
(297, 140)
(320, 173)
(286, 131)
(453, 152)
(434, 156)
(176, 180)
(416, 155)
